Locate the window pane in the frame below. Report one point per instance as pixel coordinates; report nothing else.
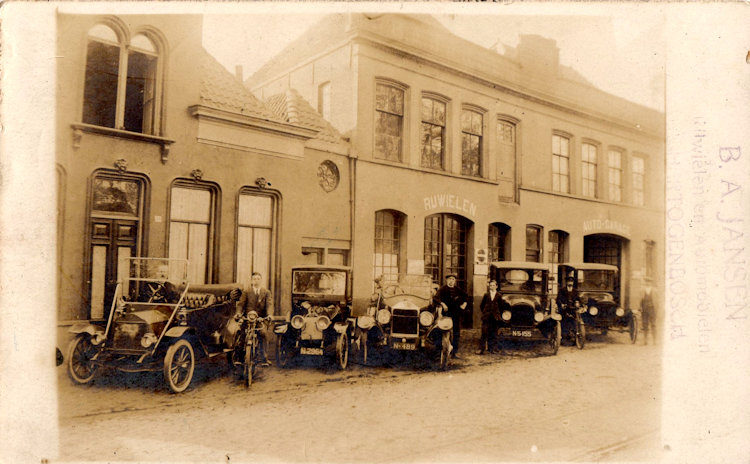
(178, 240)
(100, 92)
(197, 253)
(190, 205)
(244, 253)
(262, 253)
(100, 31)
(255, 210)
(116, 196)
(98, 278)
(139, 93)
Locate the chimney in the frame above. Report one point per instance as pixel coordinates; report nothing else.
(538, 54)
(238, 72)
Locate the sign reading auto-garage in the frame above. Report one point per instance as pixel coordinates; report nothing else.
(598, 226)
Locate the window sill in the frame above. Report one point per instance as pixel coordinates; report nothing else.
(80, 128)
(438, 172)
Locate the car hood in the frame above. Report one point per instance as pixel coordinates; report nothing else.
(598, 298)
(406, 302)
(523, 300)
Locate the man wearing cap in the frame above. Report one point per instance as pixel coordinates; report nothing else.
(567, 298)
(454, 301)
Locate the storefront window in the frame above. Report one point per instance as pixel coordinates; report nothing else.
(496, 237)
(534, 243)
(387, 242)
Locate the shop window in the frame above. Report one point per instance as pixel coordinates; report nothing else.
(255, 244)
(324, 100)
(191, 221)
(471, 143)
(558, 246)
(445, 244)
(534, 243)
(389, 121)
(560, 164)
(497, 237)
(121, 88)
(615, 175)
(638, 181)
(588, 170)
(433, 133)
(388, 230)
(602, 248)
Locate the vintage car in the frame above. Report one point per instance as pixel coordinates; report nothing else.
(319, 323)
(157, 322)
(529, 314)
(599, 290)
(403, 316)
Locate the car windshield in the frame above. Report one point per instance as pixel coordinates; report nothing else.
(407, 284)
(319, 283)
(154, 280)
(521, 280)
(596, 280)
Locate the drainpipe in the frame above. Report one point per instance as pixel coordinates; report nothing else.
(352, 210)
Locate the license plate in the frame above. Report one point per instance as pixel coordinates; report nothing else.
(404, 346)
(520, 333)
(306, 350)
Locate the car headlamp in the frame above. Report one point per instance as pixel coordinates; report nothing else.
(148, 340)
(322, 322)
(445, 323)
(506, 315)
(426, 318)
(593, 310)
(365, 322)
(298, 322)
(252, 316)
(620, 312)
(384, 316)
(538, 317)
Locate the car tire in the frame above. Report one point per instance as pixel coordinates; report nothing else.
(445, 349)
(580, 335)
(342, 351)
(633, 328)
(553, 343)
(179, 365)
(81, 369)
(284, 353)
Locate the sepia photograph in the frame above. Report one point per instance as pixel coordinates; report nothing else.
(373, 233)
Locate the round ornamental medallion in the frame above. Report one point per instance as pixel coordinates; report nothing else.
(328, 173)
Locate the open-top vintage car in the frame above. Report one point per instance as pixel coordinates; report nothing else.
(403, 316)
(157, 322)
(319, 320)
(599, 290)
(529, 312)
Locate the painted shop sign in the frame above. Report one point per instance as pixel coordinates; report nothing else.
(606, 225)
(450, 201)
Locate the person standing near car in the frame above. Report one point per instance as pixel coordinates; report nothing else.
(648, 314)
(567, 297)
(490, 306)
(454, 301)
(258, 299)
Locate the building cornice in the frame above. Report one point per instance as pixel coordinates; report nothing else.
(251, 122)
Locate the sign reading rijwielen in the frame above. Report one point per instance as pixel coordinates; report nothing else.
(450, 201)
(599, 226)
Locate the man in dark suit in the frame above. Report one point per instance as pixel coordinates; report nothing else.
(491, 308)
(648, 316)
(567, 298)
(454, 301)
(258, 299)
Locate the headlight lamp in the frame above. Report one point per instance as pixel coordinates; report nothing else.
(252, 316)
(506, 315)
(445, 323)
(538, 317)
(148, 340)
(426, 318)
(620, 312)
(593, 310)
(365, 322)
(384, 316)
(322, 322)
(298, 322)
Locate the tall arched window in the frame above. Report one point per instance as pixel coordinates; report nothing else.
(256, 220)
(388, 230)
(122, 81)
(497, 237)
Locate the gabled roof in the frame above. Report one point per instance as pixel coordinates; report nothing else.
(221, 90)
(291, 107)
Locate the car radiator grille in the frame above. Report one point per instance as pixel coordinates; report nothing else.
(522, 315)
(128, 335)
(405, 322)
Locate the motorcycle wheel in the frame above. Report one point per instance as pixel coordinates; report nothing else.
(81, 369)
(580, 335)
(249, 364)
(342, 351)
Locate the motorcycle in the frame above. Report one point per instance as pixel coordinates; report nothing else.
(572, 324)
(245, 352)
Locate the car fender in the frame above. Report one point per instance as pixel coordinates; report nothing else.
(341, 327)
(85, 328)
(179, 331)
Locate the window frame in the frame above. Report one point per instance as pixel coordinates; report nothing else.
(638, 181)
(539, 252)
(560, 156)
(272, 277)
(402, 156)
(558, 250)
(397, 229)
(515, 124)
(482, 113)
(611, 171)
(444, 130)
(589, 185)
(500, 232)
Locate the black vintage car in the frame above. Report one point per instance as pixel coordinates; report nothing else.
(319, 323)
(599, 290)
(157, 322)
(403, 316)
(529, 313)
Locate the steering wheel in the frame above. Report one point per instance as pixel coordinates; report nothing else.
(155, 292)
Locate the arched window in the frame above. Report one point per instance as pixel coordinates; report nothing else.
(388, 230)
(558, 246)
(533, 243)
(497, 237)
(122, 81)
(445, 247)
(256, 220)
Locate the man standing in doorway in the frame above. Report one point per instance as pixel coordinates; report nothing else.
(454, 301)
(258, 299)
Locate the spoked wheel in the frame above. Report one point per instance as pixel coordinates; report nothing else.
(284, 351)
(580, 334)
(359, 348)
(342, 351)
(633, 328)
(249, 364)
(81, 369)
(445, 349)
(179, 364)
(553, 343)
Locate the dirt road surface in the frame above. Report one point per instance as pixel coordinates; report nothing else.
(598, 404)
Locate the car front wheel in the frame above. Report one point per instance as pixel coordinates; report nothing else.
(284, 351)
(633, 328)
(342, 351)
(81, 369)
(554, 339)
(179, 364)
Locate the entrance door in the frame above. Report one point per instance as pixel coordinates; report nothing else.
(114, 230)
